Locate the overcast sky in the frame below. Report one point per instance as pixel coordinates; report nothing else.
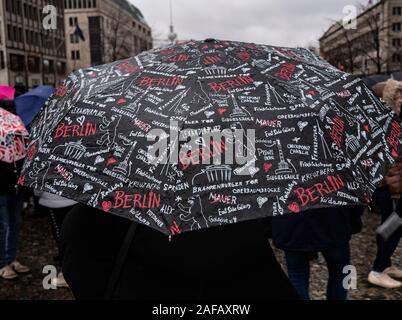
(275, 22)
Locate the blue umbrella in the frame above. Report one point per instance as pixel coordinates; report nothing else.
(29, 104)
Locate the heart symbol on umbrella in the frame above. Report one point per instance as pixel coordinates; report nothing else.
(261, 201)
(222, 111)
(87, 187)
(111, 161)
(267, 167)
(81, 120)
(99, 159)
(258, 83)
(394, 153)
(106, 206)
(209, 114)
(121, 101)
(294, 207)
(302, 125)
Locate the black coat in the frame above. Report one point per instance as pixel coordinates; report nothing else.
(9, 174)
(230, 262)
(316, 230)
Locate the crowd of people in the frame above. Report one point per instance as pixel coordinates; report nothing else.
(90, 246)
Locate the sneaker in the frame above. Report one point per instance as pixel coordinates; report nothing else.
(60, 282)
(19, 268)
(394, 272)
(382, 279)
(7, 273)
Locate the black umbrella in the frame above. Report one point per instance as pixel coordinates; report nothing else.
(321, 138)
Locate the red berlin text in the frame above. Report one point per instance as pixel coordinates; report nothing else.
(212, 60)
(137, 200)
(286, 71)
(65, 131)
(160, 82)
(180, 58)
(314, 193)
(128, 67)
(225, 86)
(337, 131)
(202, 155)
(393, 138)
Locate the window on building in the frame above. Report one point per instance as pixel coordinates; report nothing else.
(2, 62)
(75, 55)
(20, 35)
(51, 66)
(34, 64)
(46, 66)
(396, 27)
(73, 21)
(61, 68)
(397, 58)
(397, 11)
(27, 37)
(10, 34)
(396, 42)
(17, 62)
(17, 7)
(74, 38)
(8, 5)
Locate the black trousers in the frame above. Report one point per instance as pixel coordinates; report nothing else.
(386, 248)
(56, 219)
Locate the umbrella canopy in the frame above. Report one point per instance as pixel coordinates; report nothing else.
(7, 93)
(372, 80)
(397, 76)
(313, 135)
(12, 137)
(29, 104)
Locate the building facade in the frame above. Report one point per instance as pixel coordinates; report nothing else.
(375, 46)
(3, 55)
(111, 29)
(32, 55)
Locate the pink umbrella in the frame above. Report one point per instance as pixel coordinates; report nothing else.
(12, 137)
(7, 93)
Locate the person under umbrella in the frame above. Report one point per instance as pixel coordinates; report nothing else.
(383, 273)
(10, 208)
(229, 262)
(58, 208)
(327, 231)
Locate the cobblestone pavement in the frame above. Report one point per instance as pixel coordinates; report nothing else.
(37, 250)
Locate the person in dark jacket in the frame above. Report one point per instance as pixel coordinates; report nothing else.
(228, 262)
(327, 231)
(10, 214)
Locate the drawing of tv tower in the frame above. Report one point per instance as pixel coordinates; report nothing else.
(124, 167)
(135, 106)
(283, 166)
(237, 111)
(373, 124)
(324, 143)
